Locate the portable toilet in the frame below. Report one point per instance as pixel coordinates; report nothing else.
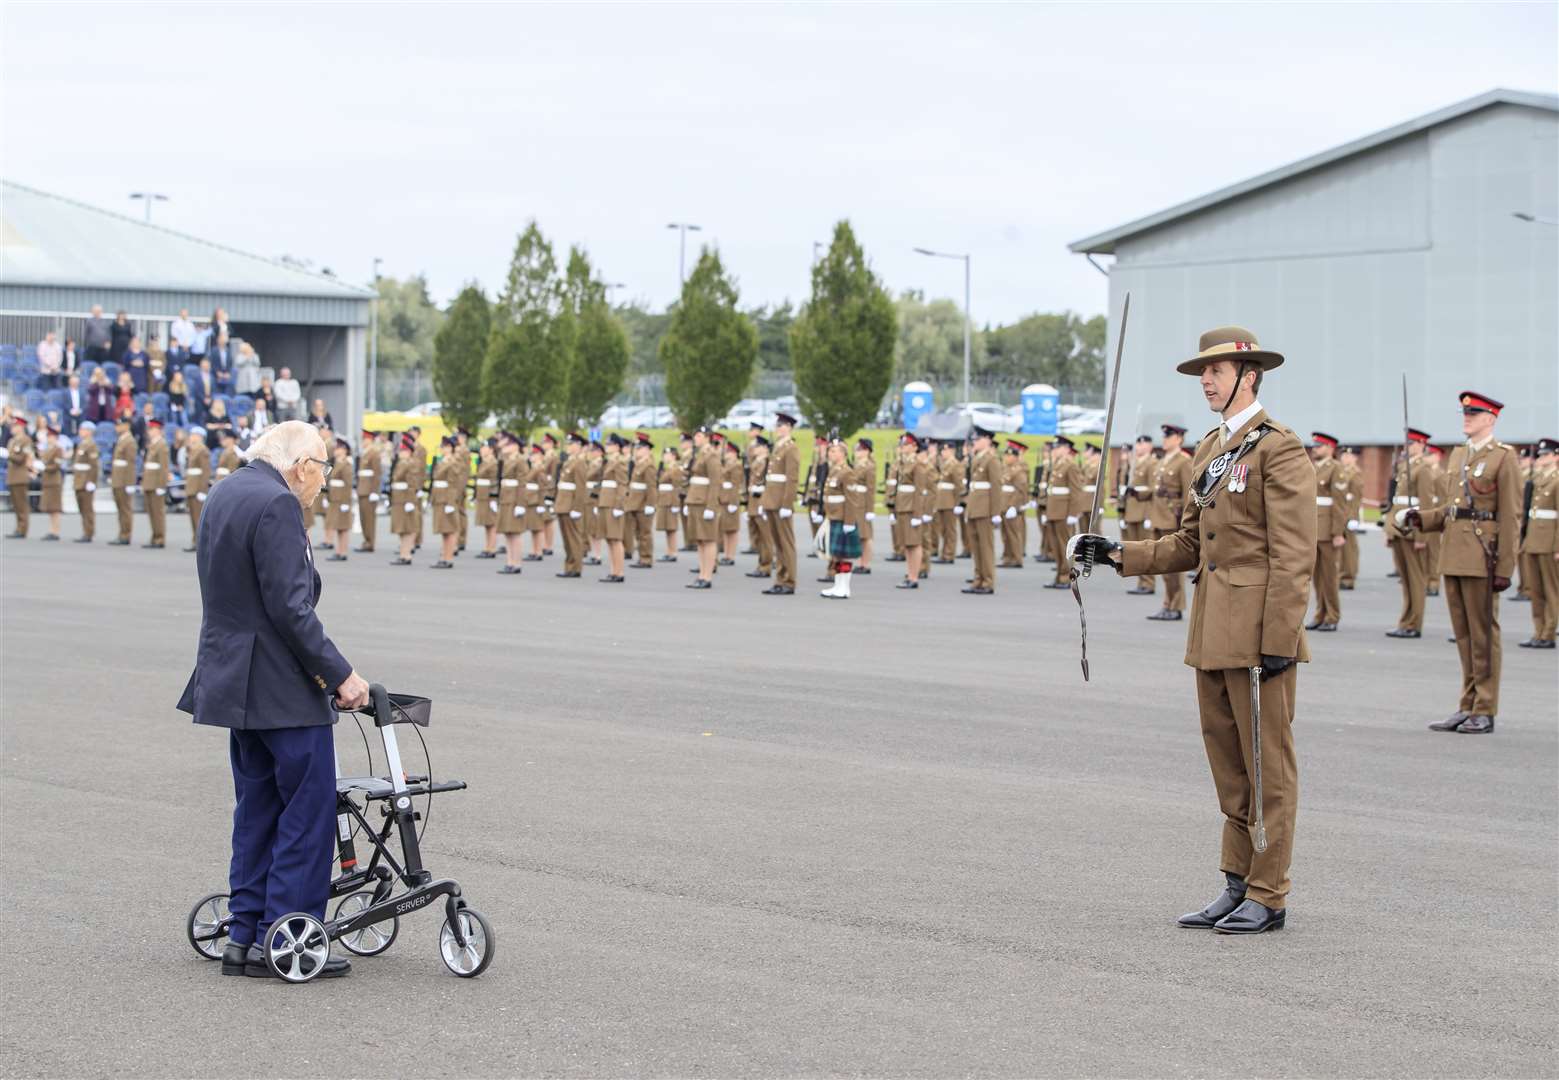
(919, 399)
(1039, 409)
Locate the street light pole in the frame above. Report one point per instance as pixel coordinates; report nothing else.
(1532, 219)
(373, 370)
(683, 228)
(148, 197)
(608, 286)
(968, 319)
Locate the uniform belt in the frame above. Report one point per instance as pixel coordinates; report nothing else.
(483, 483)
(1323, 500)
(1544, 515)
(861, 488)
(893, 483)
(609, 483)
(776, 478)
(1467, 513)
(567, 485)
(83, 468)
(702, 481)
(509, 483)
(152, 465)
(634, 485)
(333, 483)
(662, 487)
(1090, 487)
(441, 483)
(1404, 500)
(726, 485)
(756, 489)
(365, 472)
(943, 485)
(1009, 487)
(592, 483)
(399, 485)
(836, 498)
(1060, 491)
(220, 472)
(980, 485)
(528, 486)
(1142, 487)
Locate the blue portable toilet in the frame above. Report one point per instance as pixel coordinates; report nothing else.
(919, 399)
(1039, 409)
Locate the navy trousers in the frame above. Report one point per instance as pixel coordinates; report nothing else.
(283, 826)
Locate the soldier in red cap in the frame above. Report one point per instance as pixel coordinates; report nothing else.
(1330, 526)
(155, 469)
(1482, 526)
(1415, 484)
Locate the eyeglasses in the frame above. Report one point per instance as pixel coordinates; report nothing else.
(324, 466)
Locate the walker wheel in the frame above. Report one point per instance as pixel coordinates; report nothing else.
(370, 940)
(207, 925)
(471, 960)
(296, 947)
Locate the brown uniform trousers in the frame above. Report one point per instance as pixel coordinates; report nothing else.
(85, 466)
(1172, 479)
(759, 536)
(197, 481)
(1492, 487)
(779, 491)
(18, 474)
(1540, 569)
(1013, 534)
(122, 478)
(154, 489)
(573, 498)
(1328, 524)
(1409, 553)
(1252, 585)
(1140, 480)
(984, 504)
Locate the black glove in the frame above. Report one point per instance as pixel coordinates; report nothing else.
(1091, 546)
(1501, 583)
(1274, 665)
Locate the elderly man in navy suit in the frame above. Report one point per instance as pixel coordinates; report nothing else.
(266, 670)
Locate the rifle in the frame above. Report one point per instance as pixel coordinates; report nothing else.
(1526, 491)
(557, 474)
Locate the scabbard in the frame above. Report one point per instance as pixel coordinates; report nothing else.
(1259, 829)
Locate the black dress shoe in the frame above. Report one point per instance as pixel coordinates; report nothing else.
(1518, 598)
(699, 583)
(486, 554)
(565, 573)
(978, 590)
(510, 570)
(651, 566)
(546, 551)
(894, 558)
(1432, 592)
(331, 558)
(943, 562)
(725, 562)
(1057, 585)
(612, 579)
(88, 540)
(667, 558)
(51, 537)
(323, 547)
(826, 580)
(1451, 639)
(811, 554)
(234, 959)
(528, 558)
(859, 570)
(119, 543)
(592, 561)
(1324, 628)
(153, 545)
(400, 562)
(442, 564)
(748, 551)
(1543, 643)
(1404, 632)
(1451, 723)
(966, 555)
(907, 584)
(363, 549)
(758, 573)
(1231, 897)
(1139, 591)
(779, 590)
(1477, 725)
(1313, 625)
(256, 967)
(1250, 918)
(1165, 615)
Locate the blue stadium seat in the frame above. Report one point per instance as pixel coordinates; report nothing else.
(34, 401)
(8, 350)
(59, 400)
(27, 367)
(7, 367)
(192, 374)
(160, 404)
(243, 405)
(86, 370)
(111, 370)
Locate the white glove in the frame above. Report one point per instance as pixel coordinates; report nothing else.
(893, 519)
(817, 519)
(201, 497)
(684, 511)
(519, 511)
(872, 517)
(493, 507)
(35, 465)
(730, 509)
(410, 508)
(785, 512)
(958, 511)
(914, 523)
(133, 488)
(996, 520)
(1147, 524)
(849, 528)
(448, 509)
(1012, 512)
(1401, 517)
(1071, 521)
(762, 513)
(709, 515)
(1043, 520)
(373, 497)
(91, 486)
(5, 454)
(617, 513)
(1031, 505)
(575, 515)
(161, 491)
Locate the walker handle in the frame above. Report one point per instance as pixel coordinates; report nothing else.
(379, 704)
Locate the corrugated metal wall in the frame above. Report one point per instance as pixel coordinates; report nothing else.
(294, 310)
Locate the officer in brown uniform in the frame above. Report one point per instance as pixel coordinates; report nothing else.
(228, 460)
(573, 502)
(485, 497)
(339, 495)
(1087, 486)
(639, 503)
(668, 502)
(1414, 485)
(444, 496)
(1249, 533)
(18, 475)
(983, 512)
(513, 517)
(1482, 527)
(51, 460)
(730, 516)
(121, 479)
(611, 503)
(1540, 545)
(1137, 500)
(87, 470)
(1352, 496)
(155, 472)
(1330, 526)
(760, 536)
(921, 509)
(1171, 479)
(1062, 481)
(197, 480)
(370, 478)
(942, 546)
(1014, 496)
(405, 489)
(779, 502)
(533, 479)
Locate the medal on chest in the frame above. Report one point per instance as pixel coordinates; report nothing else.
(1478, 469)
(1239, 477)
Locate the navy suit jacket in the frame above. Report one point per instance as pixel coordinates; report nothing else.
(264, 660)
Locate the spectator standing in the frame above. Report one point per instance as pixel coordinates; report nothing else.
(219, 325)
(181, 331)
(221, 357)
(141, 422)
(156, 369)
(95, 336)
(289, 395)
(75, 406)
(50, 359)
(101, 398)
(217, 420)
(119, 333)
(178, 399)
(124, 405)
(243, 433)
(70, 358)
(268, 393)
(246, 379)
(260, 419)
(320, 416)
(200, 346)
(136, 363)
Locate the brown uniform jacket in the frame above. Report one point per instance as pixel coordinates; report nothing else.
(197, 470)
(370, 474)
(1421, 491)
(1352, 491)
(731, 485)
(927, 494)
(226, 464)
(1486, 481)
(84, 463)
(1014, 477)
(573, 493)
(757, 477)
(1171, 481)
(486, 485)
(154, 468)
(52, 478)
(1141, 480)
(1331, 513)
(861, 491)
(640, 487)
(949, 483)
(405, 483)
(18, 466)
(703, 485)
(510, 473)
(614, 484)
(1253, 551)
(784, 470)
(1085, 481)
(338, 493)
(1063, 483)
(123, 474)
(985, 485)
(1542, 525)
(667, 486)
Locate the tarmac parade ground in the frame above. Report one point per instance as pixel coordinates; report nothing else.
(719, 833)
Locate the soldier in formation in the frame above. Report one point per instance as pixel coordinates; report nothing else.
(983, 511)
(611, 506)
(1136, 500)
(1540, 544)
(156, 474)
(779, 500)
(1414, 485)
(1062, 482)
(86, 469)
(18, 475)
(197, 480)
(668, 504)
(942, 545)
(1171, 480)
(1330, 531)
(1352, 495)
(1014, 491)
(844, 507)
(51, 459)
(760, 537)
(920, 505)
(573, 502)
(405, 491)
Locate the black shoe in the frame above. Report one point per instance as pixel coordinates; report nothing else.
(486, 554)
(234, 959)
(323, 547)
(192, 548)
(1543, 643)
(1432, 592)
(529, 558)
(1250, 918)
(699, 583)
(1314, 625)
(1323, 628)
(981, 591)
(153, 545)
(592, 561)
(442, 564)
(907, 584)
(966, 555)
(1452, 722)
(1231, 897)
(942, 562)
(1046, 559)
(1404, 632)
(811, 554)
(1140, 591)
(651, 566)
(758, 573)
(400, 562)
(867, 571)
(779, 590)
(1057, 585)
(119, 543)
(924, 574)
(50, 536)
(748, 551)
(612, 579)
(546, 551)
(894, 558)
(331, 558)
(1165, 615)
(1345, 588)
(510, 570)
(667, 558)
(725, 562)
(1518, 598)
(88, 540)
(1392, 573)
(1477, 725)
(826, 580)
(256, 967)
(362, 549)
(565, 573)
(16, 536)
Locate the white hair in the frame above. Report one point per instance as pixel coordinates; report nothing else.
(281, 446)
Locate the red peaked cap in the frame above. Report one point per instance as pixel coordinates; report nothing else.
(1414, 435)
(1471, 399)
(1323, 438)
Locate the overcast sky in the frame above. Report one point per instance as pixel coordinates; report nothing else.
(428, 134)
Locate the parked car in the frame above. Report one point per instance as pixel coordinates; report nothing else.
(988, 415)
(1083, 422)
(426, 408)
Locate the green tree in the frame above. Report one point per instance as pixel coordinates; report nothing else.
(459, 349)
(645, 328)
(931, 343)
(1062, 349)
(710, 347)
(842, 343)
(527, 352)
(408, 319)
(773, 336)
(597, 345)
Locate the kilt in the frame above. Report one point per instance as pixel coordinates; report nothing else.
(698, 529)
(843, 546)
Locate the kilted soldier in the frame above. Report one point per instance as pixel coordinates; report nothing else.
(51, 460)
(1352, 495)
(338, 491)
(1171, 478)
(1481, 520)
(1014, 496)
(610, 501)
(702, 509)
(866, 482)
(18, 474)
(730, 516)
(156, 471)
(779, 501)
(405, 488)
(573, 502)
(1062, 479)
(1416, 485)
(485, 500)
(949, 491)
(1540, 545)
(1330, 526)
(759, 535)
(844, 516)
(370, 479)
(640, 503)
(668, 503)
(87, 471)
(121, 479)
(513, 517)
(197, 480)
(1249, 533)
(983, 512)
(1136, 500)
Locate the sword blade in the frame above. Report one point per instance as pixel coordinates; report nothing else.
(1407, 459)
(1109, 417)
